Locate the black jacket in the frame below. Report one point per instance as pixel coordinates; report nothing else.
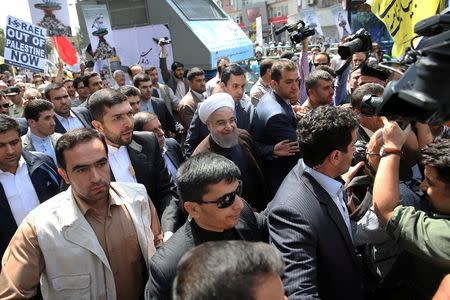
(81, 113)
(151, 171)
(174, 152)
(46, 182)
(163, 265)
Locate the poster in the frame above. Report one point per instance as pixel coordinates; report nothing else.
(341, 21)
(259, 35)
(25, 45)
(310, 18)
(99, 30)
(132, 48)
(53, 15)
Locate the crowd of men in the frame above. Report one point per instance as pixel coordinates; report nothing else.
(191, 189)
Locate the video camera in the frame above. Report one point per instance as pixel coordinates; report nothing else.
(423, 92)
(297, 31)
(359, 42)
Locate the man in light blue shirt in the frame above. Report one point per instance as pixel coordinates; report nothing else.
(41, 134)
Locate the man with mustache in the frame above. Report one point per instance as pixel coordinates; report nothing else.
(41, 134)
(66, 118)
(92, 241)
(26, 180)
(134, 156)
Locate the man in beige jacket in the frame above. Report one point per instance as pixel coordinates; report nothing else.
(93, 241)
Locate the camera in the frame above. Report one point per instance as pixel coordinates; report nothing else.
(297, 31)
(359, 42)
(423, 92)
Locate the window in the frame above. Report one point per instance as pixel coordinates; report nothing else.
(199, 9)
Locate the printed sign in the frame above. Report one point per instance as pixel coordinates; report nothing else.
(25, 45)
(53, 15)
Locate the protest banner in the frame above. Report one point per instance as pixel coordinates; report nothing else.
(310, 18)
(25, 45)
(53, 15)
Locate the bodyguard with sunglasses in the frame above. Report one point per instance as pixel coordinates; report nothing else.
(210, 189)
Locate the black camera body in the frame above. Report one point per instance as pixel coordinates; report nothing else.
(359, 42)
(423, 92)
(297, 31)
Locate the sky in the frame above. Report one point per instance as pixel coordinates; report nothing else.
(20, 10)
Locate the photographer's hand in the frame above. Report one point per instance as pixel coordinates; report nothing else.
(386, 191)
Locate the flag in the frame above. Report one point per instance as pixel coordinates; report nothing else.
(400, 16)
(65, 50)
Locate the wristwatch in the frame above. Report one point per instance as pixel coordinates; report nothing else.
(384, 151)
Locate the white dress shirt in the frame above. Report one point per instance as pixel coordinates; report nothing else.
(181, 89)
(43, 145)
(120, 163)
(335, 189)
(19, 191)
(70, 123)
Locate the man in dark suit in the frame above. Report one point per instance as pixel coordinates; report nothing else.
(275, 123)
(170, 149)
(26, 180)
(154, 105)
(66, 118)
(209, 187)
(134, 156)
(308, 218)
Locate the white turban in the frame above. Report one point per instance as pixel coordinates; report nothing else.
(213, 103)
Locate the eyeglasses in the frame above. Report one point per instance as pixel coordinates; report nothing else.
(320, 64)
(226, 200)
(5, 105)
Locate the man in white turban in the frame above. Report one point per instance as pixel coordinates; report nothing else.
(225, 138)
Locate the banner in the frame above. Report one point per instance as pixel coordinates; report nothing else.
(259, 35)
(132, 48)
(310, 18)
(99, 30)
(401, 16)
(340, 18)
(25, 45)
(53, 15)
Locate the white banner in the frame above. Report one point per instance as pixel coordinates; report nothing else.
(133, 48)
(99, 30)
(25, 45)
(310, 18)
(259, 36)
(340, 18)
(52, 15)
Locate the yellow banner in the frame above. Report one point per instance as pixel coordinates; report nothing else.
(400, 16)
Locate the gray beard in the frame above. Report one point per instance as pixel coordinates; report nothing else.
(229, 141)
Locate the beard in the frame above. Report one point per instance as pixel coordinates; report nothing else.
(117, 139)
(226, 141)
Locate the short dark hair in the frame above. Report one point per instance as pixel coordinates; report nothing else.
(324, 130)
(323, 53)
(365, 89)
(74, 137)
(129, 90)
(87, 77)
(327, 69)
(104, 98)
(8, 123)
(175, 65)
(264, 66)
(194, 72)
(196, 174)
(282, 65)
(77, 81)
(34, 108)
(142, 118)
(149, 69)
(52, 87)
(287, 55)
(233, 69)
(313, 78)
(437, 155)
(231, 269)
(141, 77)
(219, 60)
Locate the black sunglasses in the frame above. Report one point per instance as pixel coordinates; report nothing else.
(226, 200)
(5, 105)
(320, 64)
